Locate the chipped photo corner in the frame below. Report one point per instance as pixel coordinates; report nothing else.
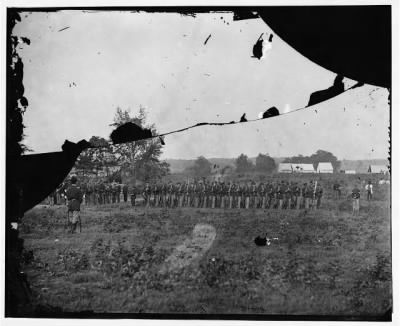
(199, 162)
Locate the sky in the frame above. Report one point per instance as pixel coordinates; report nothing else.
(76, 78)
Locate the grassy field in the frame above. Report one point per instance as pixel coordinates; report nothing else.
(324, 262)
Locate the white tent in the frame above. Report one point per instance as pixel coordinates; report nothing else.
(285, 168)
(378, 169)
(303, 168)
(325, 167)
(350, 171)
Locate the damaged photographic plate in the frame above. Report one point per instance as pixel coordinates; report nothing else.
(205, 162)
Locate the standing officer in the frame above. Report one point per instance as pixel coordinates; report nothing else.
(74, 196)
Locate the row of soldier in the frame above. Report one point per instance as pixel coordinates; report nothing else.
(283, 195)
(98, 193)
(204, 194)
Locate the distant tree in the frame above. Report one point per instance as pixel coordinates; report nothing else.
(265, 163)
(319, 156)
(324, 156)
(200, 168)
(298, 159)
(243, 164)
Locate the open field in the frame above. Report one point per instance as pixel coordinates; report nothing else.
(324, 262)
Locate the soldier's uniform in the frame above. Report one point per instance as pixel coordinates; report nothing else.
(243, 196)
(253, 195)
(303, 191)
(308, 196)
(119, 193)
(288, 196)
(294, 193)
(299, 196)
(229, 191)
(221, 195)
(268, 195)
(74, 196)
(246, 196)
(196, 190)
(261, 196)
(280, 194)
(191, 195)
(163, 199)
(207, 188)
(213, 192)
(200, 194)
(355, 195)
(180, 194)
(185, 194)
(170, 195)
(337, 190)
(125, 192)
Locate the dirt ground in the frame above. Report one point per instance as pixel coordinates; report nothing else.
(204, 261)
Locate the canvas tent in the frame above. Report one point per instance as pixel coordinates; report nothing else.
(285, 168)
(303, 168)
(378, 169)
(325, 167)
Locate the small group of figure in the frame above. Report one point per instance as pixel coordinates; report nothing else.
(205, 194)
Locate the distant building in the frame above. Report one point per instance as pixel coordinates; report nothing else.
(378, 169)
(303, 168)
(285, 168)
(325, 167)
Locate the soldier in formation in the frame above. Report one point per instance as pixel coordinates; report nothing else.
(230, 195)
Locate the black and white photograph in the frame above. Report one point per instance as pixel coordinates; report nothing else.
(199, 162)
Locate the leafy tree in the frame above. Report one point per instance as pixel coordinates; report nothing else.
(243, 164)
(324, 156)
(265, 163)
(139, 158)
(96, 158)
(200, 168)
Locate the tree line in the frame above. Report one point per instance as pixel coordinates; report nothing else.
(263, 164)
(139, 160)
(204, 168)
